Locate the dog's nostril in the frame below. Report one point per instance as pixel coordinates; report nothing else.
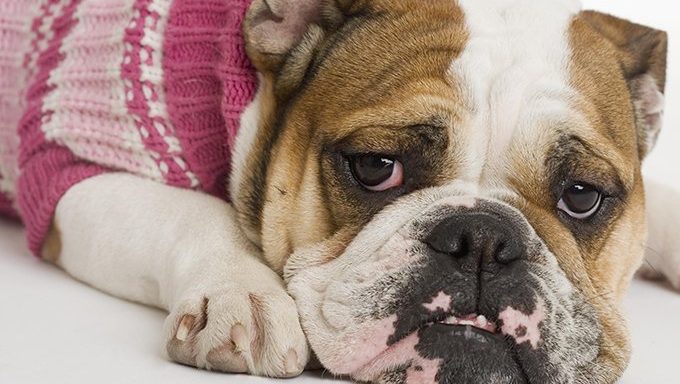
(507, 252)
(448, 240)
(503, 255)
(462, 247)
(456, 246)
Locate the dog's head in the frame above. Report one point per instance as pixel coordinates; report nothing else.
(452, 190)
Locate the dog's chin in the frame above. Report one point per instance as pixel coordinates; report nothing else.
(468, 355)
(454, 350)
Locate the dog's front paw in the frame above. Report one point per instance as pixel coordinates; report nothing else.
(663, 243)
(659, 269)
(239, 331)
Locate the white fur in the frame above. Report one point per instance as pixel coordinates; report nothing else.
(250, 121)
(663, 243)
(245, 139)
(171, 248)
(514, 76)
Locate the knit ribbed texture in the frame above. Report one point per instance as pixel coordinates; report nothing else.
(209, 82)
(151, 87)
(15, 38)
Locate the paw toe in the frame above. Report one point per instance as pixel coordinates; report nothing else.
(239, 333)
(227, 358)
(292, 364)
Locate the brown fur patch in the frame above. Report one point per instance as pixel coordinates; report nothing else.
(363, 77)
(640, 49)
(52, 247)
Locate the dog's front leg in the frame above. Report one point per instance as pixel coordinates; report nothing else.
(184, 252)
(663, 242)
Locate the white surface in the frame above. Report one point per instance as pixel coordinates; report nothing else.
(57, 330)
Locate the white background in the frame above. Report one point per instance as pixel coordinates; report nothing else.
(53, 329)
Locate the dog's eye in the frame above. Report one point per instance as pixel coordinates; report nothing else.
(580, 201)
(376, 172)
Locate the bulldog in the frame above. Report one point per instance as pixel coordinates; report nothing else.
(421, 192)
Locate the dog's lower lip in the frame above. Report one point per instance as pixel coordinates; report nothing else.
(477, 322)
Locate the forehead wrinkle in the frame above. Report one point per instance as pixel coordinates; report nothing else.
(515, 61)
(390, 43)
(426, 108)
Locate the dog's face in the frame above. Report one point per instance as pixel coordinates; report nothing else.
(452, 189)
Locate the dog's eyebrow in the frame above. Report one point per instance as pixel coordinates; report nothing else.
(573, 157)
(418, 110)
(392, 139)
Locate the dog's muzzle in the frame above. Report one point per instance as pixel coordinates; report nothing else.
(453, 290)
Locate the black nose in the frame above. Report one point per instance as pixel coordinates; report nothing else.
(478, 236)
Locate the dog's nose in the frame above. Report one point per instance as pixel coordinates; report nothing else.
(481, 236)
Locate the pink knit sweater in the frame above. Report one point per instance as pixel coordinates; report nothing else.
(151, 87)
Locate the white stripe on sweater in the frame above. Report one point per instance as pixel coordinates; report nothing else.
(90, 117)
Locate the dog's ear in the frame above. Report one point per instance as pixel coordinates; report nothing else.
(275, 30)
(273, 27)
(642, 54)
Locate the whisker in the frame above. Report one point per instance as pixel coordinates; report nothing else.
(661, 255)
(607, 293)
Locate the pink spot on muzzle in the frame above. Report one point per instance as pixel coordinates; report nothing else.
(421, 370)
(522, 327)
(440, 302)
(365, 344)
(367, 353)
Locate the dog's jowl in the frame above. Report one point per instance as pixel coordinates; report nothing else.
(416, 191)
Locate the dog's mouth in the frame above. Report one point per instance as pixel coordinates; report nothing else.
(446, 346)
(473, 320)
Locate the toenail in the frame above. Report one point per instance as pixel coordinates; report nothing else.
(185, 327)
(291, 362)
(239, 337)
